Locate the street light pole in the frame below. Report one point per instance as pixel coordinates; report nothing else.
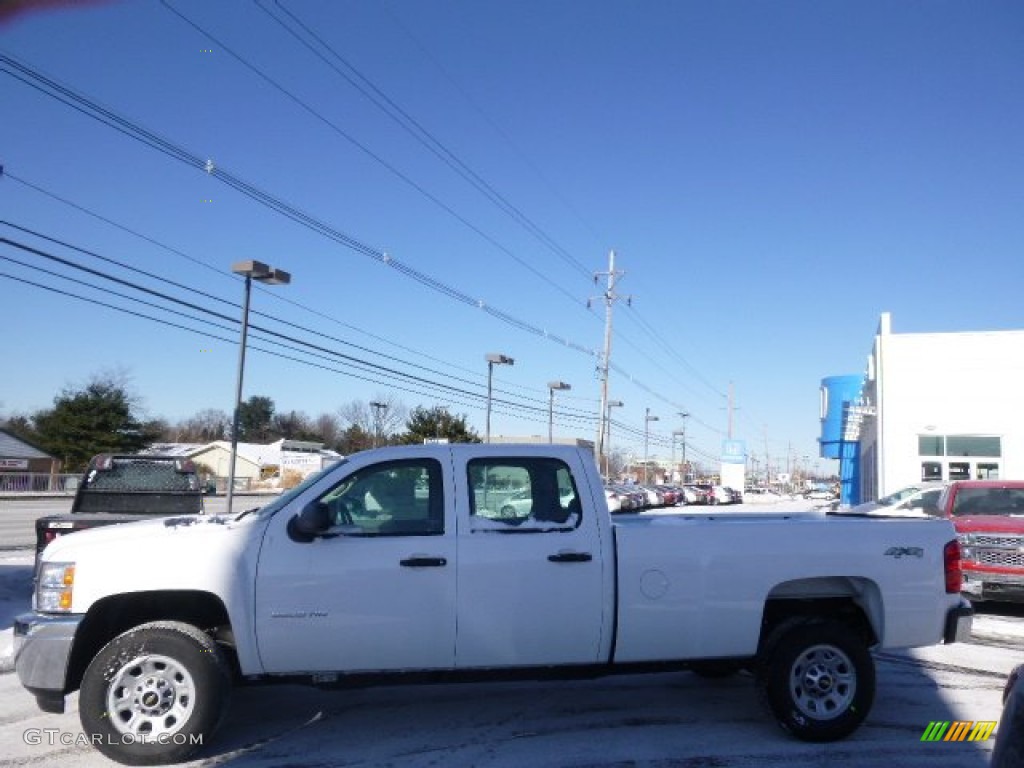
(552, 386)
(684, 416)
(251, 270)
(608, 442)
(647, 420)
(377, 408)
(676, 432)
(493, 359)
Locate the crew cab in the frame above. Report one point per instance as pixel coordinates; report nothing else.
(408, 563)
(989, 520)
(118, 488)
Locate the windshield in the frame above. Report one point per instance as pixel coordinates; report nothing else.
(898, 496)
(989, 501)
(291, 493)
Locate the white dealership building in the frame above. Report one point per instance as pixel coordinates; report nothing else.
(934, 406)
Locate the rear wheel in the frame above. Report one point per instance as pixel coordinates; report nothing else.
(154, 694)
(819, 680)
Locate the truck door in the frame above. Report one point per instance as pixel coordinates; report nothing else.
(377, 592)
(531, 579)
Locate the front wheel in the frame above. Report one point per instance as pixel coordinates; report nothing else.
(819, 680)
(154, 694)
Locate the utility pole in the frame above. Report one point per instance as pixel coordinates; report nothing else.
(609, 298)
(685, 471)
(377, 408)
(730, 410)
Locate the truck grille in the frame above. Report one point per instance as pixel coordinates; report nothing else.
(997, 550)
(996, 540)
(1010, 558)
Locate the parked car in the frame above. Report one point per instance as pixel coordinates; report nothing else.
(655, 498)
(700, 493)
(670, 495)
(690, 495)
(989, 520)
(120, 488)
(716, 494)
(637, 499)
(820, 494)
(911, 501)
(615, 500)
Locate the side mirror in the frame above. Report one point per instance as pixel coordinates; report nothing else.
(312, 521)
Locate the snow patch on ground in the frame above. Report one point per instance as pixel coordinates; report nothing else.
(15, 598)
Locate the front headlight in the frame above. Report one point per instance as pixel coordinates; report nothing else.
(54, 586)
(965, 539)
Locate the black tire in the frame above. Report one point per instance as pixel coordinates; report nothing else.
(154, 694)
(818, 679)
(715, 669)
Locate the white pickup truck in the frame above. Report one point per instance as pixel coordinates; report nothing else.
(408, 560)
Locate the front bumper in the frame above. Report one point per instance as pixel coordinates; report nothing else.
(42, 650)
(986, 585)
(958, 623)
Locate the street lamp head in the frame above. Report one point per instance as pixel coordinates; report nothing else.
(377, 404)
(275, 277)
(498, 359)
(261, 272)
(558, 385)
(615, 403)
(652, 418)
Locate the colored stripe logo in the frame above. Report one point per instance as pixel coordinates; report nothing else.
(958, 730)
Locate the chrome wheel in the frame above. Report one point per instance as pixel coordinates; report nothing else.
(150, 697)
(823, 682)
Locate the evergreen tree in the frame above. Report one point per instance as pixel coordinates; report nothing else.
(434, 423)
(255, 420)
(100, 418)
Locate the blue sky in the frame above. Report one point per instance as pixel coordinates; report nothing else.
(771, 176)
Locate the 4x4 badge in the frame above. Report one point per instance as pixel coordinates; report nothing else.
(899, 552)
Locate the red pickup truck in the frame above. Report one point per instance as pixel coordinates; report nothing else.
(989, 520)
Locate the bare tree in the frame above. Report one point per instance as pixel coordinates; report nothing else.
(204, 427)
(327, 427)
(293, 425)
(386, 421)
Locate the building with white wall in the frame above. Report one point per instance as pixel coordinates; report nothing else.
(937, 406)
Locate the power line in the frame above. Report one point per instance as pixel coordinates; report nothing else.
(363, 370)
(497, 129)
(79, 103)
(306, 347)
(369, 152)
(82, 104)
(416, 129)
(275, 295)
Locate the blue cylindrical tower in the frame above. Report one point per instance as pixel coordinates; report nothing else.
(837, 441)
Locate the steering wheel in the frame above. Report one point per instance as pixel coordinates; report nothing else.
(343, 510)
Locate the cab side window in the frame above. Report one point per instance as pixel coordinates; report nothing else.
(522, 495)
(396, 498)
